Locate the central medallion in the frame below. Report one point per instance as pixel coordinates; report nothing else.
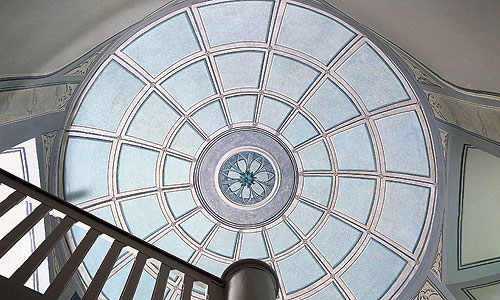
(246, 178)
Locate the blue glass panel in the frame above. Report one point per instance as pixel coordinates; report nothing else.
(317, 189)
(223, 242)
(104, 213)
(403, 213)
(372, 79)
(153, 120)
(404, 144)
(187, 140)
(242, 108)
(210, 117)
(190, 85)
(143, 216)
(85, 169)
(114, 87)
(252, 246)
(315, 157)
(240, 69)
(354, 149)
(145, 287)
(335, 240)
(355, 197)
(180, 202)
(293, 273)
(329, 293)
(312, 33)
(290, 77)
(299, 130)
(273, 112)
(96, 254)
(176, 170)
(113, 287)
(156, 50)
(211, 265)
(374, 272)
(331, 105)
(136, 168)
(249, 21)
(305, 217)
(173, 244)
(282, 238)
(197, 227)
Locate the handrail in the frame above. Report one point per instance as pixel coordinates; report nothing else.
(214, 284)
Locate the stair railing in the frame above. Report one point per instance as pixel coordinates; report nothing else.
(13, 287)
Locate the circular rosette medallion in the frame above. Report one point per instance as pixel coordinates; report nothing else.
(247, 178)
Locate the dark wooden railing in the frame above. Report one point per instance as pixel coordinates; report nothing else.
(13, 287)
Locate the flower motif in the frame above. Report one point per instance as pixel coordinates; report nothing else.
(246, 178)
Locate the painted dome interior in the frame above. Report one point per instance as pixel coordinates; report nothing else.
(349, 165)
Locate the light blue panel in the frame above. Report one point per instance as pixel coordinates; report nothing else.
(85, 169)
(113, 287)
(331, 105)
(114, 87)
(210, 117)
(136, 168)
(145, 287)
(295, 277)
(315, 157)
(404, 144)
(252, 246)
(197, 227)
(355, 197)
(290, 77)
(354, 149)
(374, 272)
(249, 21)
(305, 217)
(211, 265)
(78, 234)
(187, 140)
(190, 85)
(372, 79)
(273, 112)
(329, 293)
(223, 242)
(240, 69)
(242, 108)
(176, 170)
(104, 213)
(180, 202)
(299, 130)
(317, 189)
(153, 120)
(173, 244)
(403, 213)
(166, 43)
(96, 254)
(312, 33)
(143, 216)
(335, 240)
(282, 237)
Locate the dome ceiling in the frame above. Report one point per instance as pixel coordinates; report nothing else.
(257, 129)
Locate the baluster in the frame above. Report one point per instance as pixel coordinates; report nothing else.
(134, 276)
(102, 274)
(188, 288)
(20, 230)
(62, 279)
(29, 266)
(161, 282)
(11, 201)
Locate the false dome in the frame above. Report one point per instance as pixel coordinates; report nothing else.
(279, 131)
